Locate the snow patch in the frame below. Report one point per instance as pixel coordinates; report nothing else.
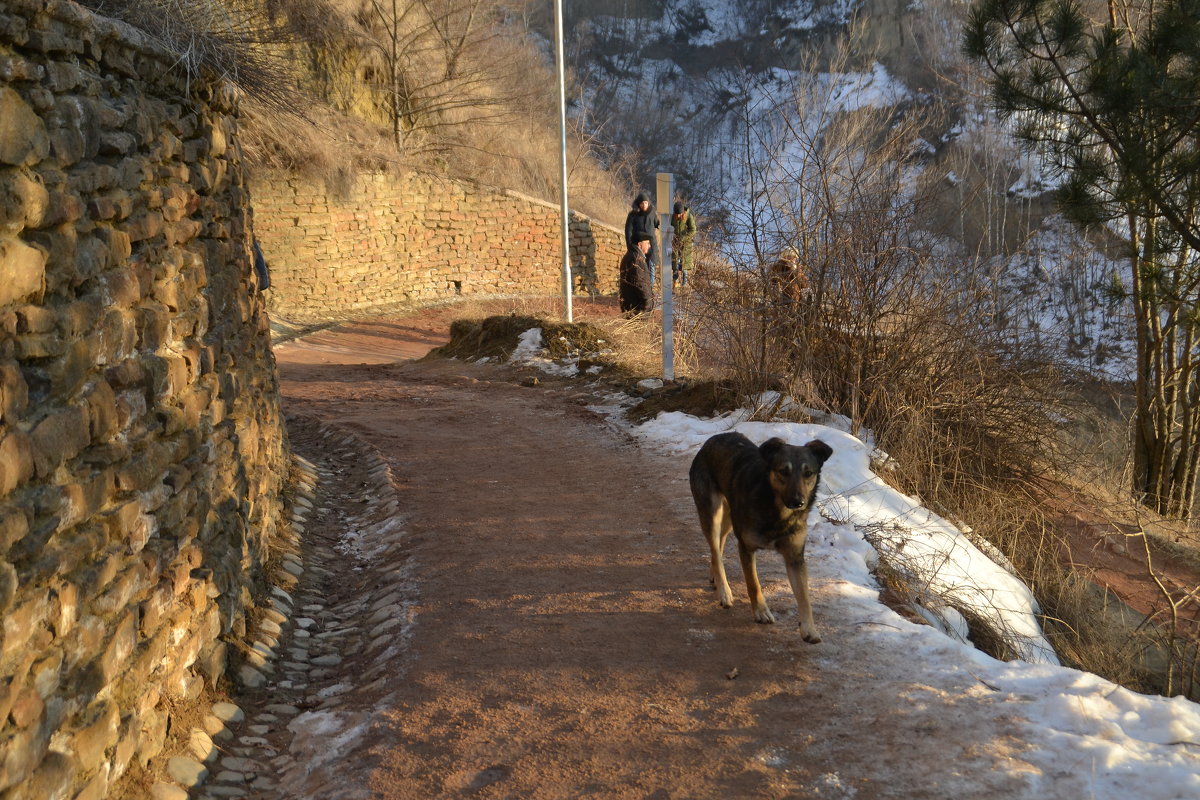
(1121, 744)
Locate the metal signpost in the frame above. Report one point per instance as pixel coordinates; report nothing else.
(666, 197)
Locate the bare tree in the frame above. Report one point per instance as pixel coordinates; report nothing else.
(884, 333)
(447, 67)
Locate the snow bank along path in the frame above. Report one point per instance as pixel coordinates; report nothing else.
(1119, 743)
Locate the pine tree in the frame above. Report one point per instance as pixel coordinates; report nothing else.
(1113, 104)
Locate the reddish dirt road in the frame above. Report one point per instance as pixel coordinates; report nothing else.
(564, 642)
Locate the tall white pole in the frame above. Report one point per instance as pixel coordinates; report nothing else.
(665, 185)
(560, 63)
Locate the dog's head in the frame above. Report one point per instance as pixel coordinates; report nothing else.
(794, 471)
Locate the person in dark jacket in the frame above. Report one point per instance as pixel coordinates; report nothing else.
(635, 290)
(640, 225)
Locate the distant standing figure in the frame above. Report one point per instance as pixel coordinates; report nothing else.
(640, 226)
(635, 291)
(683, 221)
(788, 276)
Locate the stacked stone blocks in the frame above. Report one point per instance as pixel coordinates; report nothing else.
(394, 240)
(142, 451)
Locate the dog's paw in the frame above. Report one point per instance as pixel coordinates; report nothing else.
(763, 615)
(809, 634)
(726, 599)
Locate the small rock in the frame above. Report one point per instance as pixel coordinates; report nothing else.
(167, 791)
(228, 712)
(327, 661)
(251, 678)
(200, 744)
(228, 791)
(216, 728)
(239, 764)
(386, 626)
(187, 772)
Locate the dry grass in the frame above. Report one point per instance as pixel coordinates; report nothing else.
(216, 40)
(318, 81)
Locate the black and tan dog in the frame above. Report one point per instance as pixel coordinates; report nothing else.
(763, 495)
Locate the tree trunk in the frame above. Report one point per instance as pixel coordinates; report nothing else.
(1143, 428)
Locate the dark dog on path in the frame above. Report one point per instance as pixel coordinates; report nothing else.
(763, 495)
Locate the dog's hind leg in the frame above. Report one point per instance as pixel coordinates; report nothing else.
(797, 570)
(762, 612)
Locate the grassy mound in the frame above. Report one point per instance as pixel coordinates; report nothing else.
(621, 351)
(706, 398)
(497, 337)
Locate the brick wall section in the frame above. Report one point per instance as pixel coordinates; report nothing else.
(391, 240)
(142, 451)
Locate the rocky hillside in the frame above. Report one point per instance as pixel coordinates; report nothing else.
(719, 91)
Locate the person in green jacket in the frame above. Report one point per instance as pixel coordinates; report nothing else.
(684, 223)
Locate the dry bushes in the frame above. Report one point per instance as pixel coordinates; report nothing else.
(334, 87)
(888, 335)
(970, 420)
(462, 91)
(967, 422)
(969, 411)
(234, 41)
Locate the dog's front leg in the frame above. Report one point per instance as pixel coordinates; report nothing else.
(797, 570)
(716, 569)
(762, 613)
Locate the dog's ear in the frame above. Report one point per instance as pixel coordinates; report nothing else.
(770, 447)
(819, 449)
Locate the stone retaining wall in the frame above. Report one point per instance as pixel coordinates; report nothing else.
(142, 452)
(394, 240)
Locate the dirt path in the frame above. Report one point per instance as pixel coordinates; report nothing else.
(559, 638)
